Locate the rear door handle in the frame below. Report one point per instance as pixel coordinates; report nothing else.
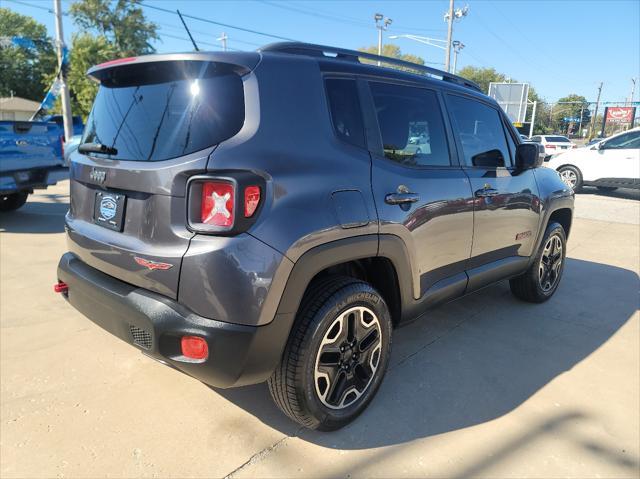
(401, 198)
(487, 191)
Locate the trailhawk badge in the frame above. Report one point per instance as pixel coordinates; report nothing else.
(152, 265)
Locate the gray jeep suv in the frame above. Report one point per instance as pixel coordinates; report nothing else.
(263, 216)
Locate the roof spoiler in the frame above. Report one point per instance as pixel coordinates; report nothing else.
(245, 61)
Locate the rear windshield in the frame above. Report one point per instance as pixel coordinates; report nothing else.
(558, 139)
(158, 111)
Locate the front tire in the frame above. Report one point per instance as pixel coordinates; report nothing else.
(13, 201)
(336, 355)
(571, 176)
(542, 278)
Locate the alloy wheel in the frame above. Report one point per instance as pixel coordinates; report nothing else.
(348, 357)
(569, 177)
(550, 265)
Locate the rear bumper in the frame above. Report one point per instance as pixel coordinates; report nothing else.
(238, 354)
(31, 179)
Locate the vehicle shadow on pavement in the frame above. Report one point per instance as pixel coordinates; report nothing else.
(476, 359)
(622, 193)
(37, 216)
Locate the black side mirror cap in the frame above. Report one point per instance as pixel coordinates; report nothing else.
(529, 155)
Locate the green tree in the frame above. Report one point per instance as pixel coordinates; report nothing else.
(393, 51)
(122, 23)
(570, 106)
(24, 71)
(86, 51)
(482, 76)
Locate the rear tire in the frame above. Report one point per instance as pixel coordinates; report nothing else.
(571, 176)
(13, 201)
(542, 278)
(336, 356)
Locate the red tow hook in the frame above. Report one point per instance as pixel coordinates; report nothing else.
(61, 287)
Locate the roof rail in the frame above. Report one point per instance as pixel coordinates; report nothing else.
(310, 49)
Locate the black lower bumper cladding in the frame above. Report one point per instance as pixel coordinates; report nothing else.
(238, 354)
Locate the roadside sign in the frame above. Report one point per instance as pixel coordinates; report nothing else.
(620, 114)
(512, 97)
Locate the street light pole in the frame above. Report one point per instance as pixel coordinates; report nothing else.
(64, 91)
(382, 23)
(633, 90)
(457, 46)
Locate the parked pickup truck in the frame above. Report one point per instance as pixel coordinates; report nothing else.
(30, 157)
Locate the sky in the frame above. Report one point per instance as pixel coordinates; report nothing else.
(559, 46)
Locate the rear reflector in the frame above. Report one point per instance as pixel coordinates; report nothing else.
(551, 147)
(217, 204)
(194, 347)
(251, 200)
(61, 287)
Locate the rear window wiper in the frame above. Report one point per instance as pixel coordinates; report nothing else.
(97, 148)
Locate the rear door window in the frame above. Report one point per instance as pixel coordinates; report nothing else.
(479, 128)
(629, 140)
(344, 106)
(163, 110)
(411, 125)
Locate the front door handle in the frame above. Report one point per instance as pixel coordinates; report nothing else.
(401, 198)
(487, 191)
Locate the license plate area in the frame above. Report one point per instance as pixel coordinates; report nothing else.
(108, 210)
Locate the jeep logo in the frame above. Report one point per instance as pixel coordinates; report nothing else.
(98, 175)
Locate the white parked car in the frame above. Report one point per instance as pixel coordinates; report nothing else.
(553, 144)
(609, 164)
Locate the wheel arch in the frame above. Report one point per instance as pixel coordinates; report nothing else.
(378, 260)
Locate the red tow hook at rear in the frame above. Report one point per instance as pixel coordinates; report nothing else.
(61, 287)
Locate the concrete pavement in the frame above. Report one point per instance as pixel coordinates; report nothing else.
(486, 386)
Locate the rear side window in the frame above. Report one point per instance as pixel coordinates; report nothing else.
(536, 139)
(344, 106)
(481, 133)
(627, 141)
(163, 110)
(411, 125)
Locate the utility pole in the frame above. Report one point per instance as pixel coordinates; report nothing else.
(382, 23)
(449, 17)
(64, 91)
(595, 114)
(633, 90)
(223, 38)
(580, 124)
(447, 58)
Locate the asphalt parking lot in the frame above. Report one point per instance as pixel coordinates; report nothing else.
(483, 387)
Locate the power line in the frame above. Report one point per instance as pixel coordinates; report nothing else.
(39, 7)
(226, 25)
(316, 13)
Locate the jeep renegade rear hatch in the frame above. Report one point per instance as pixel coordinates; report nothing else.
(154, 123)
(162, 110)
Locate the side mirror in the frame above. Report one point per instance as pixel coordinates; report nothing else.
(529, 155)
(601, 145)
